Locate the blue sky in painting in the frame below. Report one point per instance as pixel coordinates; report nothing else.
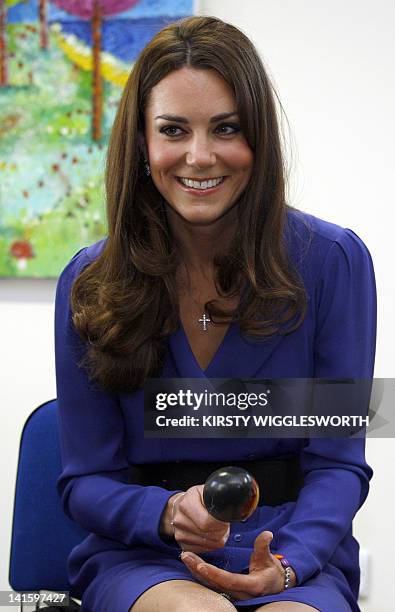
(124, 35)
(145, 8)
(124, 38)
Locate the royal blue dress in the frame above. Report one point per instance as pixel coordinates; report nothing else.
(102, 434)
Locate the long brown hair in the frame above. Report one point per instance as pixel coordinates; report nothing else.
(125, 303)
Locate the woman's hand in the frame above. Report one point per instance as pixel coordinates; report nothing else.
(187, 519)
(265, 577)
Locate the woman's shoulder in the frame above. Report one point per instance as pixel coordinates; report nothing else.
(93, 251)
(80, 260)
(83, 258)
(307, 225)
(307, 234)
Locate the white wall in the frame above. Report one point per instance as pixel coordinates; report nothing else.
(332, 64)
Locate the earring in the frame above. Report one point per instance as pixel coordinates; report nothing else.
(147, 168)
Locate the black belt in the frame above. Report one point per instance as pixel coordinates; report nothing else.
(279, 480)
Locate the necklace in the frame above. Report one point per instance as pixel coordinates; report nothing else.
(203, 319)
(187, 290)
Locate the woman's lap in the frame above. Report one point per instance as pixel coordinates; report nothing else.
(191, 597)
(119, 587)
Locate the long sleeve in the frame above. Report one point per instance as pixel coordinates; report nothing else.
(94, 487)
(336, 474)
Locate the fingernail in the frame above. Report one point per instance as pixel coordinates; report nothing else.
(185, 557)
(202, 569)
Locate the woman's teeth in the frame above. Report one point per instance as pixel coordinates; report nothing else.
(201, 185)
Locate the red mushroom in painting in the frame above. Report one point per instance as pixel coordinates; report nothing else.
(22, 250)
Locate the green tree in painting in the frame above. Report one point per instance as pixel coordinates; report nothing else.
(4, 5)
(42, 14)
(95, 10)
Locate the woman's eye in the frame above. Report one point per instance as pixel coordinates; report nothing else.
(235, 128)
(165, 130)
(168, 129)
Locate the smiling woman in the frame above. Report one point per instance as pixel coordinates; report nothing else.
(188, 113)
(206, 273)
(201, 169)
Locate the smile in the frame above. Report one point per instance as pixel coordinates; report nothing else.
(206, 185)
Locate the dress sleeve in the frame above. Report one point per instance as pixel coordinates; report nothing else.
(336, 475)
(94, 483)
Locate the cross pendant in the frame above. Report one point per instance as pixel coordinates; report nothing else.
(204, 320)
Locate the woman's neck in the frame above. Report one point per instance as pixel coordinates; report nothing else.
(200, 243)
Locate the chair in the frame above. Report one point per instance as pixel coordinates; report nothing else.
(42, 535)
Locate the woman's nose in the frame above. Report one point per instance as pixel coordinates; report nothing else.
(200, 152)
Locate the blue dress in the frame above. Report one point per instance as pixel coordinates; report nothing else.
(102, 434)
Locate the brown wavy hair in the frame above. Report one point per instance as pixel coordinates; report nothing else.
(125, 303)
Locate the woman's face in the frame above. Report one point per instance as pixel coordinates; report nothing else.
(185, 139)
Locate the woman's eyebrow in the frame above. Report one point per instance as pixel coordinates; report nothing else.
(185, 120)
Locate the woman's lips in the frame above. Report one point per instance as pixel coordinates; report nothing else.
(201, 192)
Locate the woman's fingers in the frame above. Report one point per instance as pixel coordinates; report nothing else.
(261, 556)
(191, 565)
(265, 572)
(244, 585)
(183, 531)
(196, 544)
(183, 520)
(194, 528)
(192, 507)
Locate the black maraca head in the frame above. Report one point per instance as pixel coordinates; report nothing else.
(231, 494)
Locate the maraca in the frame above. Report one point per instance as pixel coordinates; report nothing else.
(231, 494)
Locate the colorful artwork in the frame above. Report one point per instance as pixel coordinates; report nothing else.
(63, 65)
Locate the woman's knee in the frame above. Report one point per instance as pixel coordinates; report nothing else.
(286, 606)
(181, 596)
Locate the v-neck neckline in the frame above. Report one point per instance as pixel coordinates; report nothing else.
(237, 356)
(216, 354)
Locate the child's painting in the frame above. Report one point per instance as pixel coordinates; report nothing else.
(63, 65)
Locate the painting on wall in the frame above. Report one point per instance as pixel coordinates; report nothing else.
(63, 65)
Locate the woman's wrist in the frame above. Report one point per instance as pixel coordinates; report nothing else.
(289, 578)
(289, 573)
(166, 528)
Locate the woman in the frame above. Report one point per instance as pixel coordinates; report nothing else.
(283, 291)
